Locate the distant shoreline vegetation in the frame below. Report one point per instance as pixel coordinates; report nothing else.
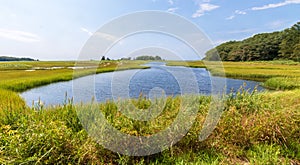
(6, 58)
(280, 45)
(144, 58)
(147, 58)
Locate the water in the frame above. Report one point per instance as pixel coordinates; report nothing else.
(158, 81)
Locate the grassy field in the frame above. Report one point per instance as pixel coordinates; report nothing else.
(275, 74)
(21, 78)
(255, 128)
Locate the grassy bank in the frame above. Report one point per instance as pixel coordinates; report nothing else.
(275, 74)
(255, 128)
(36, 74)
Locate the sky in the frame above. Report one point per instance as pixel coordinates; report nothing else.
(59, 29)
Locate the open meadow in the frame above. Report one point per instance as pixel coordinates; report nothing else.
(255, 128)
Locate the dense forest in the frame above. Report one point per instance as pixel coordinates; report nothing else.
(266, 46)
(5, 58)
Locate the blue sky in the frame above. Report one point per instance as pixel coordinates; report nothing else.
(58, 29)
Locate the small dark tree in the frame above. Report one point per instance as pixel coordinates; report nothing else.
(158, 58)
(103, 58)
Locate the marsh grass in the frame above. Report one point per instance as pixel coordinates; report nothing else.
(280, 75)
(255, 128)
(19, 80)
(12, 108)
(283, 83)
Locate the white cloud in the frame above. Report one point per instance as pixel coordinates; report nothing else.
(172, 10)
(275, 5)
(269, 6)
(230, 17)
(171, 2)
(205, 7)
(236, 12)
(20, 36)
(86, 30)
(240, 12)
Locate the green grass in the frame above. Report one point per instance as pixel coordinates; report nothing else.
(20, 79)
(255, 128)
(283, 83)
(195, 64)
(283, 75)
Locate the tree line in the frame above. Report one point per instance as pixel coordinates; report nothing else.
(152, 58)
(145, 57)
(6, 58)
(265, 46)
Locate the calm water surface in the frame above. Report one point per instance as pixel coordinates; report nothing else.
(158, 81)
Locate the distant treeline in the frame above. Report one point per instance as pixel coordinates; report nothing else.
(5, 58)
(266, 46)
(147, 58)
